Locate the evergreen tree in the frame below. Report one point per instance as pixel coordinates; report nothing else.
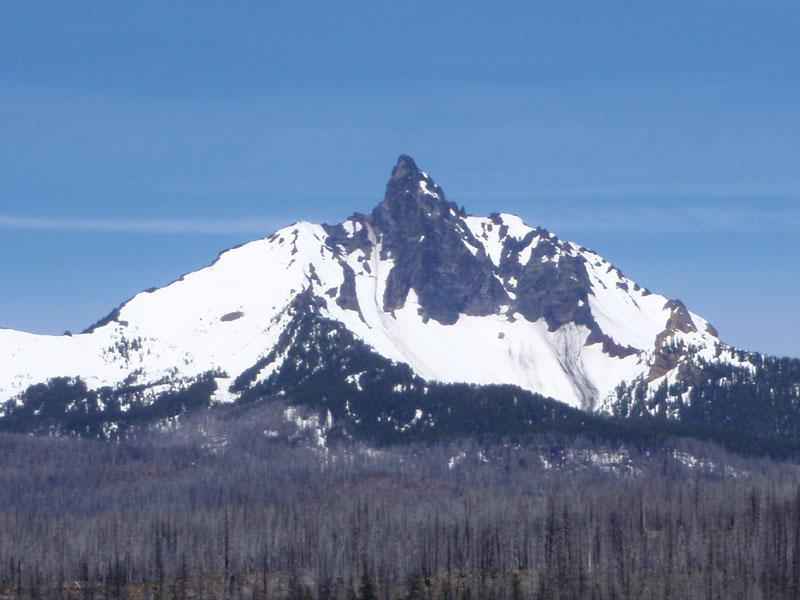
(367, 590)
(415, 586)
(516, 587)
(446, 592)
(350, 594)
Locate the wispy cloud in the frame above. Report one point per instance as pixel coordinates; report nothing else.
(639, 218)
(169, 226)
(561, 217)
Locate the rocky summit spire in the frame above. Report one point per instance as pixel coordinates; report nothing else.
(423, 234)
(405, 167)
(411, 197)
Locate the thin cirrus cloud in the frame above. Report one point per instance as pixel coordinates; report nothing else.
(166, 226)
(667, 218)
(622, 217)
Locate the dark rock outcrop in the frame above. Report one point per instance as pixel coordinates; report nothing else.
(424, 234)
(437, 256)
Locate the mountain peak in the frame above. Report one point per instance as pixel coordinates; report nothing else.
(455, 297)
(405, 167)
(424, 235)
(411, 194)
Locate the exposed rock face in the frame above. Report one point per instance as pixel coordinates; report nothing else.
(348, 298)
(231, 316)
(427, 239)
(668, 355)
(423, 233)
(551, 286)
(680, 319)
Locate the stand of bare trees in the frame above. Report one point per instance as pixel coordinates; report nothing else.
(253, 508)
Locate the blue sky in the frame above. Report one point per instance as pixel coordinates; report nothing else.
(139, 139)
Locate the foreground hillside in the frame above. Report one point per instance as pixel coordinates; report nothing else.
(246, 503)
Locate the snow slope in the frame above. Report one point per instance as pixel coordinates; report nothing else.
(225, 317)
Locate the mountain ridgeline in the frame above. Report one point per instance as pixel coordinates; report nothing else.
(415, 321)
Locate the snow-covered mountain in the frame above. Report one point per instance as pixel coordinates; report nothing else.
(458, 298)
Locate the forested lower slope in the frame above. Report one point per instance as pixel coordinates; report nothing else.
(250, 502)
(760, 396)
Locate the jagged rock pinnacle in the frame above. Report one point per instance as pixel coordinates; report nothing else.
(405, 167)
(411, 190)
(424, 235)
